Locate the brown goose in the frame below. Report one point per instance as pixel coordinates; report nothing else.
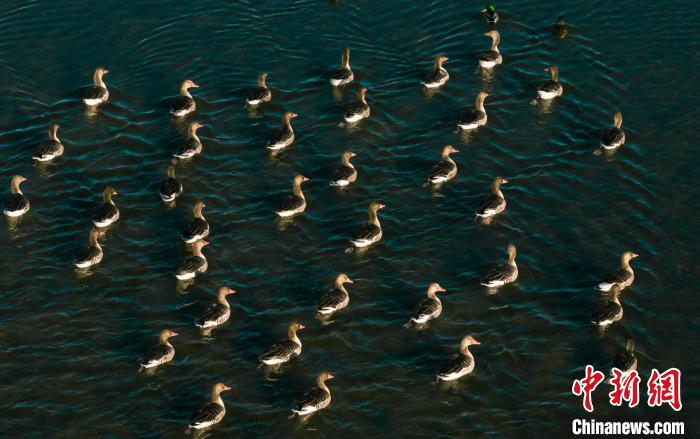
(50, 149)
(197, 228)
(284, 136)
(213, 412)
(194, 264)
(283, 351)
(162, 353)
(344, 74)
(370, 232)
(613, 137)
(504, 274)
(359, 110)
(336, 299)
(170, 188)
(184, 104)
(429, 308)
(552, 88)
(492, 57)
(316, 399)
(191, 146)
(439, 76)
(346, 174)
(494, 203)
(218, 313)
(98, 93)
(462, 364)
(610, 311)
(16, 204)
(445, 169)
(91, 255)
(476, 117)
(296, 203)
(258, 95)
(622, 277)
(108, 213)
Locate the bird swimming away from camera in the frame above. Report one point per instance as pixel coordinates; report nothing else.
(260, 94)
(560, 30)
(196, 228)
(344, 74)
(359, 110)
(614, 137)
(493, 57)
(50, 149)
(190, 146)
(194, 264)
(170, 188)
(503, 274)
(609, 311)
(552, 88)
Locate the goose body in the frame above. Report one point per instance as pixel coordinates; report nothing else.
(170, 188)
(162, 353)
(194, 264)
(622, 277)
(429, 308)
(260, 94)
(218, 313)
(439, 76)
(370, 232)
(91, 255)
(108, 213)
(445, 169)
(184, 103)
(344, 74)
(336, 299)
(296, 203)
(504, 274)
(49, 149)
(494, 203)
(359, 110)
(316, 399)
(560, 30)
(614, 137)
(284, 136)
(197, 228)
(552, 88)
(283, 351)
(493, 57)
(626, 361)
(476, 117)
(97, 93)
(461, 364)
(610, 311)
(190, 146)
(16, 204)
(347, 173)
(212, 412)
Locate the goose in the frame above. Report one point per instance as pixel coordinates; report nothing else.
(461, 364)
(504, 274)
(359, 110)
(16, 204)
(626, 361)
(490, 14)
(197, 228)
(476, 117)
(258, 95)
(492, 57)
(343, 75)
(560, 30)
(283, 351)
(439, 76)
(613, 137)
(213, 412)
(194, 264)
(98, 93)
(284, 136)
(162, 353)
(191, 146)
(184, 104)
(296, 203)
(622, 277)
(50, 149)
(336, 299)
(370, 232)
(91, 255)
(218, 313)
(494, 203)
(316, 399)
(429, 308)
(170, 188)
(108, 213)
(347, 173)
(610, 311)
(445, 169)
(552, 88)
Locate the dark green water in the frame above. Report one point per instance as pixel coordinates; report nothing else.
(69, 342)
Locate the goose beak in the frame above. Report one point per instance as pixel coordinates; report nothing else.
(173, 334)
(382, 206)
(331, 376)
(504, 181)
(352, 154)
(194, 85)
(475, 341)
(301, 326)
(226, 388)
(305, 179)
(294, 115)
(348, 280)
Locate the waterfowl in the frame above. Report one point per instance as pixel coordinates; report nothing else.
(283, 351)
(560, 30)
(284, 136)
(218, 313)
(258, 95)
(343, 75)
(445, 169)
(336, 299)
(197, 228)
(461, 364)
(50, 149)
(613, 137)
(626, 361)
(16, 204)
(359, 110)
(296, 203)
(439, 76)
(98, 93)
(474, 118)
(191, 146)
(429, 308)
(494, 203)
(108, 213)
(194, 264)
(622, 277)
(347, 173)
(170, 188)
(492, 57)
(610, 311)
(552, 88)
(91, 255)
(490, 14)
(315, 399)
(213, 412)
(184, 104)
(162, 353)
(370, 232)
(504, 274)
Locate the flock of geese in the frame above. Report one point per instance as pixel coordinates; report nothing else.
(197, 228)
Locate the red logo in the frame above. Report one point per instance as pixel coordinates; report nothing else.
(665, 388)
(626, 387)
(587, 385)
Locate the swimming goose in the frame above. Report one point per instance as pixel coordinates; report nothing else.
(346, 174)
(490, 14)
(336, 299)
(98, 93)
(552, 88)
(560, 30)
(439, 76)
(218, 313)
(445, 169)
(51, 149)
(429, 308)
(343, 75)
(91, 255)
(197, 228)
(316, 399)
(492, 57)
(162, 353)
(608, 312)
(170, 188)
(504, 274)
(474, 118)
(184, 104)
(258, 95)
(283, 351)
(16, 204)
(213, 412)
(370, 232)
(613, 137)
(108, 213)
(194, 264)
(192, 145)
(494, 203)
(284, 136)
(296, 203)
(622, 277)
(461, 364)
(626, 361)
(359, 110)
